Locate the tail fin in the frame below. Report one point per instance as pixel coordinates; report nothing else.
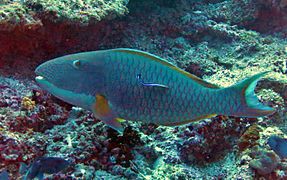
(251, 107)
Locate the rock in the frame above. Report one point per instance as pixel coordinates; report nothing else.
(264, 161)
(249, 138)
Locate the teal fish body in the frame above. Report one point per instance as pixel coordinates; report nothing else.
(138, 86)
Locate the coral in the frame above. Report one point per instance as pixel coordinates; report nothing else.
(40, 111)
(13, 150)
(249, 138)
(79, 11)
(28, 28)
(27, 103)
(208, 141)
(106, 151)
(42, 117)
(15, 13)
(242, 12)
(264, 162)
(120, 146)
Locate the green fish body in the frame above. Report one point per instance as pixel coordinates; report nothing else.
(134, 85)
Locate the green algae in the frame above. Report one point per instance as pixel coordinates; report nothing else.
(13, 12)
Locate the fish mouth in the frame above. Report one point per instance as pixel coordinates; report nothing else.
(43, 82)
(79, 99)
(41, 79)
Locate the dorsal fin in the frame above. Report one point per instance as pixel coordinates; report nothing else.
(166, 63)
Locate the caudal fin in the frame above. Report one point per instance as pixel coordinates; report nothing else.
(250, 105)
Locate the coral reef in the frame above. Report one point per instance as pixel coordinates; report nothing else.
(78, 11)
(208, 141)
(222, 41)
(241, 13)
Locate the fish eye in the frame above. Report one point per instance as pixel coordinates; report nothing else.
(77, 64)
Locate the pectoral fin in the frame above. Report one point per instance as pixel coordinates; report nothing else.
(103, 112)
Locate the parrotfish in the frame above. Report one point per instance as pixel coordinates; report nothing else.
(43, 165)
(4, 175)
(127, 84)
(278, 145)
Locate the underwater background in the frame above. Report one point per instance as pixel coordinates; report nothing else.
(220, 41)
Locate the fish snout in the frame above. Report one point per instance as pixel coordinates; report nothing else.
(42, 73)
(50, 71)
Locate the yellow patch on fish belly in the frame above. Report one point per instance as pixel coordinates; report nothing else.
(102, 111)
(120, 120)
(190, 120)
(102, 106)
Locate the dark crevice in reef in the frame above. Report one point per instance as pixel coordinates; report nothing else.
(27, 47)
(269, 20)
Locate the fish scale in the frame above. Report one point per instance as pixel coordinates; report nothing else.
(170, 80)
(138, 86)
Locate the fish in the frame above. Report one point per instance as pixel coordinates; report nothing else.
(278, 145)
(43, 165)
(129, 84)
(4, 175)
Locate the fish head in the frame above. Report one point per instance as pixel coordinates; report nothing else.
(33, 170)
(65, 72)
(70, 77)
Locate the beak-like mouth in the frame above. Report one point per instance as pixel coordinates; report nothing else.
(42, 81)
(39, 78)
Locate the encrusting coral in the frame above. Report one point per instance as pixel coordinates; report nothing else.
(27, 103)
